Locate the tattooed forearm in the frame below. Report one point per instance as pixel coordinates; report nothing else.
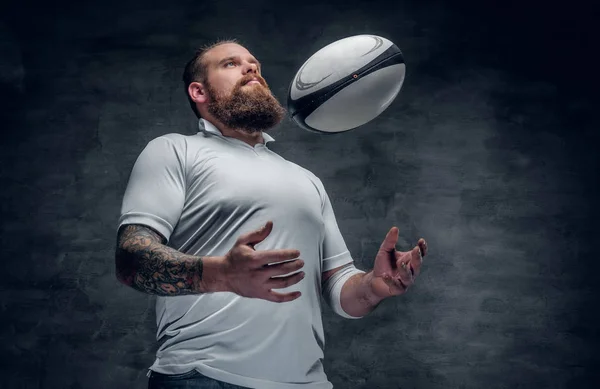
(147, 265)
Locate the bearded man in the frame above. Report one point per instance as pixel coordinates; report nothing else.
(239, 244)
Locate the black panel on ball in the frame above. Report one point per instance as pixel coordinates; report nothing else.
(301, 108)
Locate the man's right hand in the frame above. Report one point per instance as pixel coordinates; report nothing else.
(248, 272)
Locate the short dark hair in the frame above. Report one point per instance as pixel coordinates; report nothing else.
(196, 70)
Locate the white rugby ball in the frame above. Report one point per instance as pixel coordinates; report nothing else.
(346, 84)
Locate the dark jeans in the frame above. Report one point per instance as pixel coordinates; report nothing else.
(190, 380)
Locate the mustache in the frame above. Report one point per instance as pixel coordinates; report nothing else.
(250, 77)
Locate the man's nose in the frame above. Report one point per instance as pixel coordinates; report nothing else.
(250, 68)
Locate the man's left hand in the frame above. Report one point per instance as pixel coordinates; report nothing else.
(395, 271)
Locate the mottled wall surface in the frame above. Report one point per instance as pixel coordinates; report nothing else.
(489, 152)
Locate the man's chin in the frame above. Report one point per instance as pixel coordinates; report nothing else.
(253, 87)
(253, 110)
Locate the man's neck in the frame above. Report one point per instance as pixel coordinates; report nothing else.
(251, 138)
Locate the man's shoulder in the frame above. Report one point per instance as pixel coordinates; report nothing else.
(178, 141)
(312, 176)
(172, 137)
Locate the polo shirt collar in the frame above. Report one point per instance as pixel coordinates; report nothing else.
(206, 126)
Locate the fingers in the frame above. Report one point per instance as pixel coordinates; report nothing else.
(254, 237)
(265, 257)
(416, 259)
(423, 246)
(405, 273)
(389, 243)
(408, 266)
(282, 268)
(281, 297)
(280, 283)
(285, 281)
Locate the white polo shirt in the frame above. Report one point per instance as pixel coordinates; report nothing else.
(202, 192)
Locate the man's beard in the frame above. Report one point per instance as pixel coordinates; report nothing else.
(251, 109)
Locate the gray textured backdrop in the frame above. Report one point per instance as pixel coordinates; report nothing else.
(489, 152)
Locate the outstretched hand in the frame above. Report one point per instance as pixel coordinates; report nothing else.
(395, 271)
(255, 273)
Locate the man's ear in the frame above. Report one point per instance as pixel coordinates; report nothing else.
(197, 92)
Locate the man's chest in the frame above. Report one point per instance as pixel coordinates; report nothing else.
(240, 183)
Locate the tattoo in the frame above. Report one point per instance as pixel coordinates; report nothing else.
(146, 264)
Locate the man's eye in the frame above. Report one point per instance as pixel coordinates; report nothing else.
(229, 63)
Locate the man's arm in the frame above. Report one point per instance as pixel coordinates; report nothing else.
(144, 263)
(357, 298)
(393, 273)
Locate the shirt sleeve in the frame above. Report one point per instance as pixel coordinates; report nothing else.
(155, 192)
(335, 251)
